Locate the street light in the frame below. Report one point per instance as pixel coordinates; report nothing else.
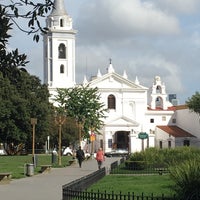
(79, 132)
(33, 123)
(59, 120)
(48, 138)
(92, 139)
(80, 127)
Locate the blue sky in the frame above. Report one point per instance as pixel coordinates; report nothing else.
(144, 37)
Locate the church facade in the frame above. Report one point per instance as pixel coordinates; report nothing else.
(130, 122)
(136, 114)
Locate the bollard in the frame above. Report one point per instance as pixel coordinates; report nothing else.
(53, 158)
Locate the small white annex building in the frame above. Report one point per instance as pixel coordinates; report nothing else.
(137, 114)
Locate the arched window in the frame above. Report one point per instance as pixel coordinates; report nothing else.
(159, 102)
(62, 69)
(186, 143)
(61, 22)
(169, 144)
(111, 102)
(158, 89)
(61, 51)
(160, 144)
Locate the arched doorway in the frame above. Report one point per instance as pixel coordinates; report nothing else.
(121, 140)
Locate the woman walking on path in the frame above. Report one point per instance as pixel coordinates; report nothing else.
(100, 157)
(80, 156)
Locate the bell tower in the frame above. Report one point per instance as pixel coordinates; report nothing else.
(158, 95)
(59, 49)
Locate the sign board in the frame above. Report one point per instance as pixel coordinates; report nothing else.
(33, 121)
(143, 135)
(92, 137)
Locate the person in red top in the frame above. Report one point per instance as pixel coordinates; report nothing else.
(100, 157)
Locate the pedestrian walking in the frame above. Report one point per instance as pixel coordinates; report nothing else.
(80, 156)
(100, 157)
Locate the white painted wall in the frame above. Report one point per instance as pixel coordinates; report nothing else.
(161, 118)
(188, 121)
(164, 138)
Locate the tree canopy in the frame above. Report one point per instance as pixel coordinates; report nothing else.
(22, 96)
(83, 105)
(30, 11)
(21, 100)
(194, 103)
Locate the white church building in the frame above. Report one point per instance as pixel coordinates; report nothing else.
(139, 117)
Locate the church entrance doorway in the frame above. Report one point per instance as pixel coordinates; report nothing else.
(121, 140)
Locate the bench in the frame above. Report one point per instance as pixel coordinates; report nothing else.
(5, 177)
(45, 168)
(161, 170)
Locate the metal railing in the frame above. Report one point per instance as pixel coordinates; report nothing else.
(85, 195)
(77, 189)
(137, 167)
(81, 184)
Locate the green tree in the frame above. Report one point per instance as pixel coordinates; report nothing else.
(194, 103)
(22, 95)
(30, 11)
(84, 106)
(22, 99)
(37, 104)
(9, 61)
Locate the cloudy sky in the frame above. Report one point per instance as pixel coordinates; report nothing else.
(144, 37)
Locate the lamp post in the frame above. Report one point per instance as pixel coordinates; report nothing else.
(33, 123)
(59, 120)
(48, 138)
(80, 124)
(79, 132)
(92, 139)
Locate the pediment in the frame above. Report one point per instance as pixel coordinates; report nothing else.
(115, 81)
(122, 121)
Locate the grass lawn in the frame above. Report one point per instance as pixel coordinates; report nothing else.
(138, 184)
(17, 164)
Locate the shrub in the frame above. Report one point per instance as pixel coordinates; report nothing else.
(137, 156)
(165, 157)
(135, 165)
(186, 176)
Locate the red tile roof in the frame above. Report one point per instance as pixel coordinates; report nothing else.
(181, 107)
(172, 108)
(175, 131)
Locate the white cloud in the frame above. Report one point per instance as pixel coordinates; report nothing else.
(145, 65)
(109, 20)
(89, 59)
(141, 36)
(148, 66)
(180, 6)
(134, 16)
(144, 37)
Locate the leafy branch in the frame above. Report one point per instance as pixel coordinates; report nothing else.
(35, 11)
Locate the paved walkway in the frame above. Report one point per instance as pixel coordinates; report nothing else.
(48, 186)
